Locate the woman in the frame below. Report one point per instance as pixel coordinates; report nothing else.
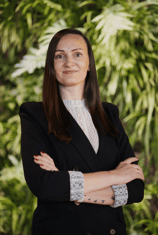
(77, 158)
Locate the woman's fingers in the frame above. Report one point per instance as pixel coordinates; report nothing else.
(127, 161)
(127, 173)
(48, 167)
(46, 158)
(77, 203)
(136, 170)
(140, 174)
(139, 171)
(41, 159)
(46, 161)
(45, 165)
(130, 160)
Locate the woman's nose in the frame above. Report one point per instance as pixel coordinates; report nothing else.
(69, 60)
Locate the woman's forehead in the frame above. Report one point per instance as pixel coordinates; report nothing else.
(71, 41)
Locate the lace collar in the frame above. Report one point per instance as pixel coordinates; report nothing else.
(74, 103)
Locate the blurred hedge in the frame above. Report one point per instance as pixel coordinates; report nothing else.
(124, 38)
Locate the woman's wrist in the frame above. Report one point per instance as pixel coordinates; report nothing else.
(113, 177)
(81, 200)
(103, 196)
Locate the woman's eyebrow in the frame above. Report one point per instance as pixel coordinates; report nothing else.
(71, 50)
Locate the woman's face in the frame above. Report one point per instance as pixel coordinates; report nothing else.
(71, 60)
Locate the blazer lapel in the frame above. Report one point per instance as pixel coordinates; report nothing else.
(82, 144)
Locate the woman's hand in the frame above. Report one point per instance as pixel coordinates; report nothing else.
(77, 203)
(126, 172)
(45, 162)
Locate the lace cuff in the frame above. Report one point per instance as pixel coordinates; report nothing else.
(121, 195)
(76, 185)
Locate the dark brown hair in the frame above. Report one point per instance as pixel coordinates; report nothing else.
(52, 102)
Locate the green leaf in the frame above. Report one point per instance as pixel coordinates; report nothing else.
(130, 116)
(145, 3)
(141, 127)
(19, 6)
(144, 73)
(151, 104)
(15, 218)
(26, 8)
(1, 128)
(112, 86)
(53, 5)
(29, 20)
(97, 18)
(85, 3)
(6, 201)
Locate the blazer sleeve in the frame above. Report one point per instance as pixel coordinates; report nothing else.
(135, 187)
(46, 185)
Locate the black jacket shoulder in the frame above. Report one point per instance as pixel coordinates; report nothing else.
(32, 108)
(109, 107)
(28, 106)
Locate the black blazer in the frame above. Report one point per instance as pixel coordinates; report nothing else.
(55, 213)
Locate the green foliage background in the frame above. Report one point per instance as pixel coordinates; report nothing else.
(124, 39)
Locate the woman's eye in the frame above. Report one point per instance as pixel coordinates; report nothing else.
(61, 56)
(58, 56)
(78, 54)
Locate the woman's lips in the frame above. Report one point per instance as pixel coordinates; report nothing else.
(67, 72)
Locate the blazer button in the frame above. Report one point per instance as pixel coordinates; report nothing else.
(112, 231)
(75, 168)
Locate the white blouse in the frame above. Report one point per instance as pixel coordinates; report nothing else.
(81, 114)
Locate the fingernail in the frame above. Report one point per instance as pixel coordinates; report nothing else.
(41, 165)
(42, 152)
(36, 155)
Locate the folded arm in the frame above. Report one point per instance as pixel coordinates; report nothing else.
(46, 185)
(127, 193)
(136, 186)
(103, 196)
(114, 196)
